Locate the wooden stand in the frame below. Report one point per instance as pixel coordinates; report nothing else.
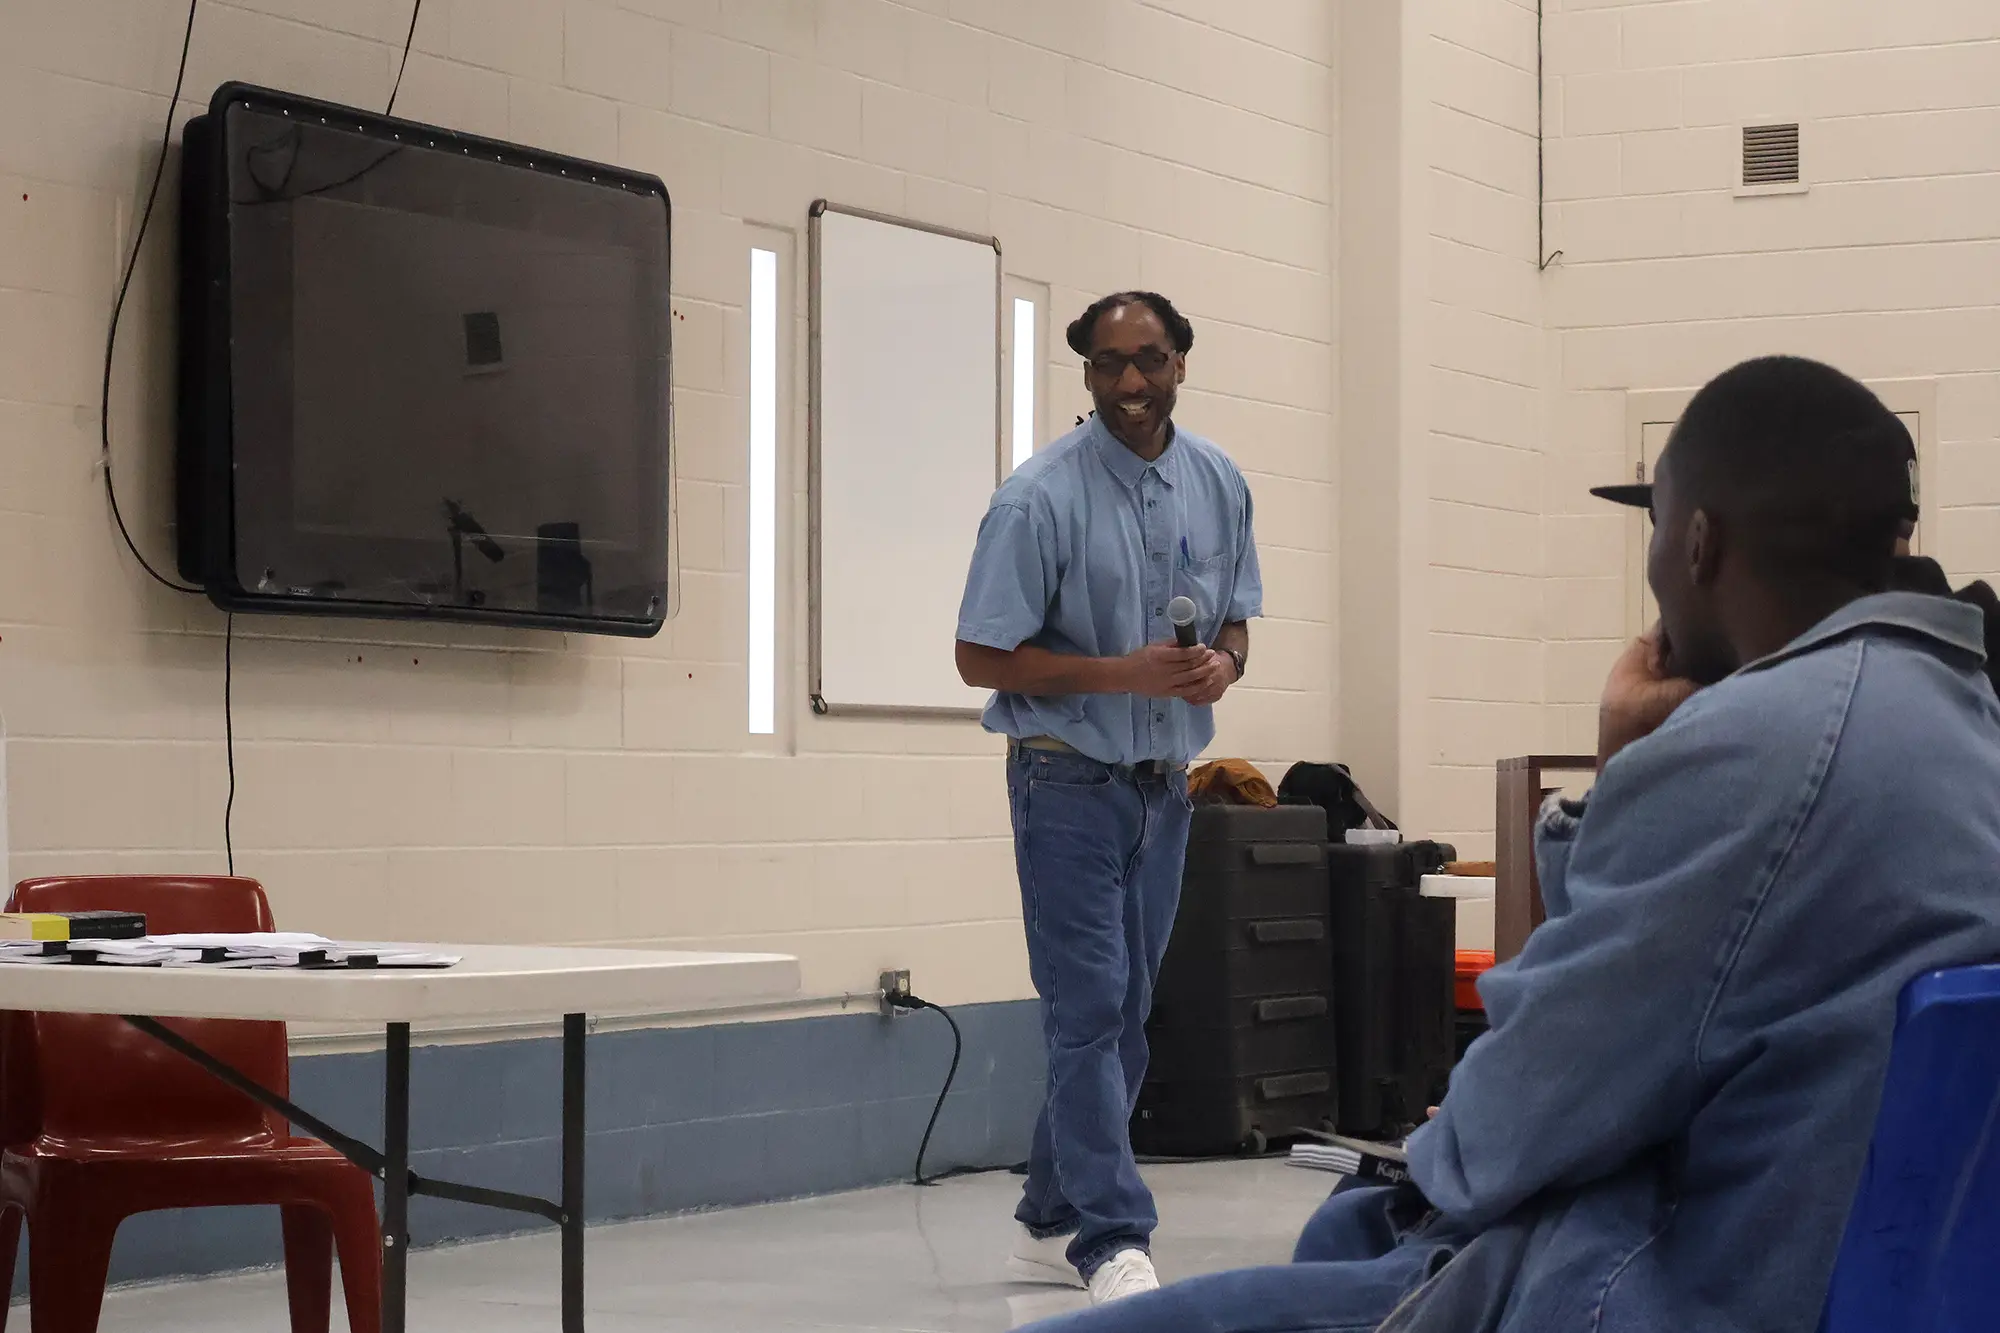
(1520, 790)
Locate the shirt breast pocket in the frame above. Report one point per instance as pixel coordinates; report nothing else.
(1207, 581)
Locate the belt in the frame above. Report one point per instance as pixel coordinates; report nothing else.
(1145, 768)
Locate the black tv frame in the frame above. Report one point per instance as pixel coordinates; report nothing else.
(205, 500)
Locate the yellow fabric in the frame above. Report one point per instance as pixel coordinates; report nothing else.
(1231, 782)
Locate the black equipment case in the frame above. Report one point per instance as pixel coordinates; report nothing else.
(1394, 973)
(1242, 1030)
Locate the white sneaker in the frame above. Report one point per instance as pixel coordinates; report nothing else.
(1044, 1262)
(1126, 1273)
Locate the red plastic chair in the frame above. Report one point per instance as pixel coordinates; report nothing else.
(101, 1122)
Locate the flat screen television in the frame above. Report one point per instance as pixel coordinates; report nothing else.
(422, 374)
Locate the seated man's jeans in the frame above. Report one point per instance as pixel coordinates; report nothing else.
(1362, 1220)
(1362, 1254)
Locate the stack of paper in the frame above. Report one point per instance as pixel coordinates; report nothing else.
(126, 953)
(265, 950)
(292, 950)
(268, 949)
(33, 951)
(139, 952)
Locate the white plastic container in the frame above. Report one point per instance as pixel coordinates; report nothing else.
(1475, 906)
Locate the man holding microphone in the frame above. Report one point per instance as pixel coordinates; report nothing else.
(1070, 617)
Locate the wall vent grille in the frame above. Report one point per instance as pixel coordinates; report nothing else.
(1770, 155)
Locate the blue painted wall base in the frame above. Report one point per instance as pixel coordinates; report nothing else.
(679, 1119)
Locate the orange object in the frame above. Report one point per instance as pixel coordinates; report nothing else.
(101, 1122)
(1472, 869)
(1232, 782)
(1472, 964)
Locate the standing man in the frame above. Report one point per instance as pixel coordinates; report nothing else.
(1065, 618)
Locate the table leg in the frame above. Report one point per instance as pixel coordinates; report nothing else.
(572, 1174)
(396, 1179)
(392, 1165)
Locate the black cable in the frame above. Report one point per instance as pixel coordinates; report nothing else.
(348, 179)
(229, 735)
(912, 1004)
(276, 196)
(293, 137)
(296, 137)
(104, 417)
(104, 434)
(1542, 257)
(118, 309)
(951, 1075)
(410, 38)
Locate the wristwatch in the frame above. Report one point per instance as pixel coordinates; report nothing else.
(1237, 658)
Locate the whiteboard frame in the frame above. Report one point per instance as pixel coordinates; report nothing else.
(814, 568)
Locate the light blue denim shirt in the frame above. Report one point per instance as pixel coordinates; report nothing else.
(1080, 552)
(1666, 1126)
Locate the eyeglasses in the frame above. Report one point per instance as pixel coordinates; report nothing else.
(1111, 365)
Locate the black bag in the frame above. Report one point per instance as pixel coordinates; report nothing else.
(1333, 789)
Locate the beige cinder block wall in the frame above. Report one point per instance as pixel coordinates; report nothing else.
(1444, 359)
(487, 784)
(1885, 265)
(1484, 592)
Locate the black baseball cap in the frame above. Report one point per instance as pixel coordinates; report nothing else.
(1773, 413)
(1637, 495)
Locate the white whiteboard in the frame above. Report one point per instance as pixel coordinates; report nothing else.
(905, 407)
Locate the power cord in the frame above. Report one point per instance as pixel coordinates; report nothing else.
(118, 309)
(895, 994)
(229, 736)
(132, 264)
(912, 1004)
(104, 407)
(104, 420)
(409, 39)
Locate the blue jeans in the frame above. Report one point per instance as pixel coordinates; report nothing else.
(1365, 1250)
(1099, 852)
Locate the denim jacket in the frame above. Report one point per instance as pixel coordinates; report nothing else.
(1665, 1128)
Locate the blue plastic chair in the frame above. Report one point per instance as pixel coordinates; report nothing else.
(1922, 1249)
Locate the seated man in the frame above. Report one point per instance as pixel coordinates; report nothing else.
(1666, 1125)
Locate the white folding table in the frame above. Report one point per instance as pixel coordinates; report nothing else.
(493, 982)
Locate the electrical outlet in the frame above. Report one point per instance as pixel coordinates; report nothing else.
(894, 986)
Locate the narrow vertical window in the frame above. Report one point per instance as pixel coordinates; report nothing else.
(763, 675)
(1025, 354)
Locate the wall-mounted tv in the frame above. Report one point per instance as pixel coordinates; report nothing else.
(422, 374)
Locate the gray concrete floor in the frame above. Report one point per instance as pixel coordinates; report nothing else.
(904, 1259)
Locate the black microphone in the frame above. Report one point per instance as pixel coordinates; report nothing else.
(1181, 613)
